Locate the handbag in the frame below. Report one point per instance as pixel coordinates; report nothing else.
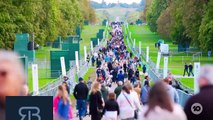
(135, 111)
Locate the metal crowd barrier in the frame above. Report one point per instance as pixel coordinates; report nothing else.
(158, 75)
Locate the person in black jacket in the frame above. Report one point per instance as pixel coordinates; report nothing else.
(199, 106)
(111, 109)
(190, 69)
(186, 69)
(96, 102)
(80, 93)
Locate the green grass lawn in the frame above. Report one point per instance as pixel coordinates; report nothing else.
(176, 61)
(189, 82)
(90, 73)
(44, 53)
(44, 78)
(87, 33)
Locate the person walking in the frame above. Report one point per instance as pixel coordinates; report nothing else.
(64, 111)
(56, 100)
(80, 93)
(171, 91)
(88, 59)
(93, 61)
(104, 91)
(127, 103)
(120, 76)
(118, 89)
(145, 93)
(209, 53)
(202, 101)
(186, 70)
(137, 74)
(96, 102)
(144, 69)
(160, 105)
(190, 69)
(111, 108)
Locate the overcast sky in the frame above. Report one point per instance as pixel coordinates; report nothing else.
(115, 1)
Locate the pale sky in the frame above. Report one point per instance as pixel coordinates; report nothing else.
(121, 1)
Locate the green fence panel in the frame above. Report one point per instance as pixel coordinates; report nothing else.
(24, 61)
(86, 22)
(72, 47)
(139, 22)
(21, 42)
(55, 62)
(104, 22)
(29, 54)
(94, 41)
(72, 39)
(57, 43)
(21, 46)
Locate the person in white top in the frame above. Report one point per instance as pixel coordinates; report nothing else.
(160, 106)
(127, 103)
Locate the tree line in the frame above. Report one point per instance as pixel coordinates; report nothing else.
(182, 21)
(47, 19)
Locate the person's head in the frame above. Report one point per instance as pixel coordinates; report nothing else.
(206, 76)
(12, 77)
(137, 85)
(120, 83)
(146, 77)
(166, 80)
(80, 79)
(158, 96)
(111, 96)
(127, 88)
(65, 85)
(95, 87)
(60, 91)
(120, 72)
(66, 78)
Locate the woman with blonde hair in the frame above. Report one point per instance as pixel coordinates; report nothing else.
(96, 102)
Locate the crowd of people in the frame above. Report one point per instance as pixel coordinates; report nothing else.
(118, 92)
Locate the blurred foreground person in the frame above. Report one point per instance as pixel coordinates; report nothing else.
(80, 93)
(62, 105)
(11, 78)
(199, 106)
(160, 106)
(96, 102)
